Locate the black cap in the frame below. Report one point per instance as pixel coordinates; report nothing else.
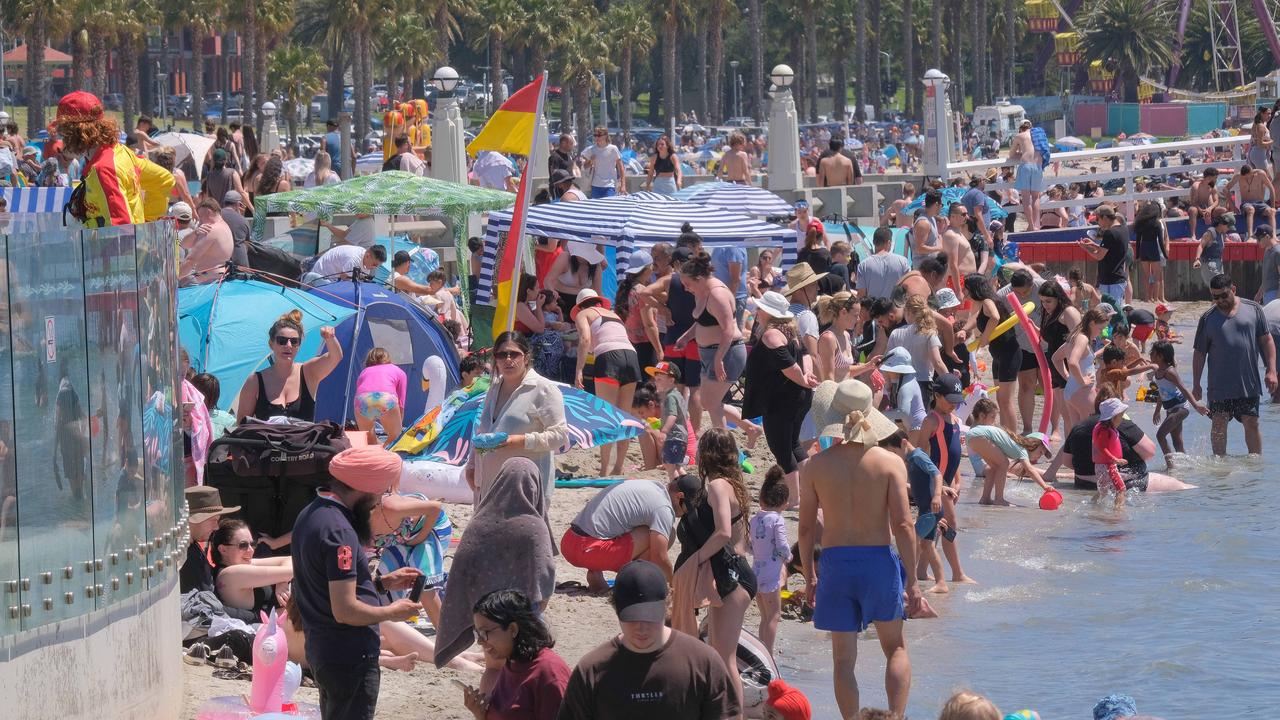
(560, 175)
(1225, 219)
(949, 387)
(1263, 230)
(640, 592)
(681, 254)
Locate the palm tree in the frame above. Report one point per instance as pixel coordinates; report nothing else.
(499, 20)
(131, 20)
(908, 54)
(757, 59)
(669, 16)
(296, 74)
(539, 32)
(274, 18)
(935, 33)
(718, 12)
(317, 23)
(202, 19)
(1130, 36)
(584, 51)
(1197, 69)
(405, 48)
(445, 23)
(860, 61)
(38, 22)
(632, 32)
(248, 15)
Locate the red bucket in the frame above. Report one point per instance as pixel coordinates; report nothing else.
(1051, 500)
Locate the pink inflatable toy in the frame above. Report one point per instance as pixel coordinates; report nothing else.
(270, 653)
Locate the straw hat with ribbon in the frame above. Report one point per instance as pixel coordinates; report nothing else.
(799, 276)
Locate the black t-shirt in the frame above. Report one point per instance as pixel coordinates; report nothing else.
(684, 680)
(819, 259)
(1111, 268)
(559, 160)
(837, 279)
(1138, 316)
(196, 573)
(1080, 444)
(326, 548)
(766, 387)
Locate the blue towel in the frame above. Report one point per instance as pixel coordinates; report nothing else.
(1040, 141)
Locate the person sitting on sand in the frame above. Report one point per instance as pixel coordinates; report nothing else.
(1001, 451)
(623, 522)
(525, 678)
(241, 580)
(862, 490)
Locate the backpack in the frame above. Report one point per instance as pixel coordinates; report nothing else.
(286, 267)
(271, 471)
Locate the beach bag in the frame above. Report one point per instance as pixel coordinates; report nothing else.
(269, 259)
(271, 471)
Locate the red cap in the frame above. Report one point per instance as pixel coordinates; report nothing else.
(1162, 309)
(79, 106)
(816, 224)
(789, 702)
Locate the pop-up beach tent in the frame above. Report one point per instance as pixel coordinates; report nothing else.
(736, 198)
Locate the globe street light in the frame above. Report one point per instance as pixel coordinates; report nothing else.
(784, 135)
(270, 131)
(782, 76)
(448, 153)
(445, 80)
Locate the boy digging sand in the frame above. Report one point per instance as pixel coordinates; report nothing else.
(674, 416)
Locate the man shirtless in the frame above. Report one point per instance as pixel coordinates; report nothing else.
(925, 238)
(1204, 198)
(861, 490)
(955, 243)
(735, 166)
(895, 215)
(1030, 178)
(1257, 194)
(835, 168)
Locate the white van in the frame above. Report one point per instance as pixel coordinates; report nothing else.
(1003, 119)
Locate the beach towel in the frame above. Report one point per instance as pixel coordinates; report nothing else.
(694, 588)
(1040, 141)
(507, 546)
(201, 429)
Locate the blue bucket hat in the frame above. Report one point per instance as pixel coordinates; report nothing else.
(1115, 706)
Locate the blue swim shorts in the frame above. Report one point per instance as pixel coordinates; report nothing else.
(858, 585)
(1030, 178)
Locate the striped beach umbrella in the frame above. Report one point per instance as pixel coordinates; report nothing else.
(737, 198)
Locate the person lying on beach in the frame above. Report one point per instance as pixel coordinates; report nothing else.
(1000, 451)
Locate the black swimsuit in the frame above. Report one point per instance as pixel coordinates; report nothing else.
(264, 598)
(302, 408)
(728, 568)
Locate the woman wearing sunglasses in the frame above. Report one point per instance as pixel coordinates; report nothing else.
(241, 580)
(287, 387)
(523, 416)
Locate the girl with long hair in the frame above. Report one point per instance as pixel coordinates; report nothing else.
(1074, 361)
(920, 337)
(287, 387)
(1058, 318)
(839, 314)
(663, 172)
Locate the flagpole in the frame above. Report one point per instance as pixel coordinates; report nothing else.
(521, 210)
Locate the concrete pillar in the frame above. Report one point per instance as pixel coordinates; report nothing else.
(448, 146)
(270, 130)
(937, 124)
(784, 135)
(541, 151)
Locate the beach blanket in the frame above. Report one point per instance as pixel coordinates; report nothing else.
(1040, 141)
(508, 546)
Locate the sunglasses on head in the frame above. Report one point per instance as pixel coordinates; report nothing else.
(282, 340)
(241, 546)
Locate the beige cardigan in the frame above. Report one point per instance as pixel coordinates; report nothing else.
(534, 410)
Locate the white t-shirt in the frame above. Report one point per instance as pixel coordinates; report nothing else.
(492, 170)
(909, 337)
(337, 260)
(604, 167)
(330, 179)
(360, 232)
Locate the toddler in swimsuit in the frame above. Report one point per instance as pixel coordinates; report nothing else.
(770, 550)
(1173, 400)
(1108, 454)
(380, 393)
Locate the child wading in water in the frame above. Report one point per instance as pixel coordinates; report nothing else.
(1108, 454)
(941, 432)
(1174, 399)
(1000, 452)
(926, 491)
(770, 550)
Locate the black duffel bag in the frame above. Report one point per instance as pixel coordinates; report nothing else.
(286, 267)
(272, 471)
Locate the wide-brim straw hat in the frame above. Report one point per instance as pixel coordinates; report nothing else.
(800, 276)
(846, 410)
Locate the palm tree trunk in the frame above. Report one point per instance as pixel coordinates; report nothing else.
(36, 79)
(679, 80)
(976, 50)
(98, 60)
(873, 57)
(860, 57)
(80, 60)
(757, 60)
(360, 88)
(957, 55)
(197, 77)
(716, 92)
(442, 30)
(366, 70)
(839, 78)
(582, 103)
(702, 42)
(128, 53)
(624, 85)
(908, 55)
(811, 67)
(260, 78)
(495, 66)
(935, 33)
(248, 64)
(337, 68)
(1010, 57)
(669, 66)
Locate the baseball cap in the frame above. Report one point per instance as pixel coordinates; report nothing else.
(1107, 309)
(220, 155)
(640, 593)
(1161, 309)
(1263, 230)
(1225, 219)
(79, 106)
(949, 386)
(639, 260)
(802, 205)
(232, 197)
(180, 210)
(665, 368)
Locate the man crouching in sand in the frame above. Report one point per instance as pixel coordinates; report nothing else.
(862, 490)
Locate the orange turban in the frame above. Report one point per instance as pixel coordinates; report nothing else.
(368, 469)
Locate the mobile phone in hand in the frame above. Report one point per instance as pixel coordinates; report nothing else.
(418, 584)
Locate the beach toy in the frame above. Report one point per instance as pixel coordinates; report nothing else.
(270, 654)
(489, 441)
(437, 480)
(1004, 326)
(1023, 715)
(1034, 336)
(747, 467)
(292, 681)
(1051, 500)
(654, 423)
(572, 483)
(227, 707)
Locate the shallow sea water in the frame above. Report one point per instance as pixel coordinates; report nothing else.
(1171, 599)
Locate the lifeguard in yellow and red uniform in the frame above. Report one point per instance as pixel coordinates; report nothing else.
(118, 187)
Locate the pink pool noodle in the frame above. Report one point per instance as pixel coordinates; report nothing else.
(1045, 380)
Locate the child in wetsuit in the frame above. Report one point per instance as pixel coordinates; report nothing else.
(1108, 454)
(770, 551)
(1174, 399)
(941, 431)
(926, 492)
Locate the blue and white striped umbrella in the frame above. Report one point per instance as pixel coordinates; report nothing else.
(37, 199)
(736, 198)
(627, 222)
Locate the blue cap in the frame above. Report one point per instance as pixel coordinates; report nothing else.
(1115, 706)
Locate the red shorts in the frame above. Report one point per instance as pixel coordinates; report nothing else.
(1142, 332)
(596, 554)
(690, 352)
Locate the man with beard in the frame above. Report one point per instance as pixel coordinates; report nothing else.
(337, 596)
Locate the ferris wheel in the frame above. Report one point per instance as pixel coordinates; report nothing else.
(1047, 16)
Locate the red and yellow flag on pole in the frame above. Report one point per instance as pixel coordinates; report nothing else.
(512, 130)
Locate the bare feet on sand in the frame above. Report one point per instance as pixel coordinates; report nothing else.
(1000, 502)
(939, 588)
(963, 580)
(400, 662)
(753, 432)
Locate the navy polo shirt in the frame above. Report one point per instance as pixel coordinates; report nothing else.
(325, 548)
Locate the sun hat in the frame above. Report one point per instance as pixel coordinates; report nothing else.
(204, 502)
(946, 298)
(788, 702)
(991, 175)
(846, 410)
(665, 368)
(948, 385)
(800, 276)
(78, 107)
(1107, 309)
(640, 260)
(897, 360)
(1041, 437)
(368, 469)
(1115, 706)
(29, 150)
(640, 593)
(180, 210)
(587, 295)
(586, 251)
(1110, 408)
(774, 305)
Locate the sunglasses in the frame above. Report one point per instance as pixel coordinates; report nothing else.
(509, 355)
(241, 546)
(282, 341)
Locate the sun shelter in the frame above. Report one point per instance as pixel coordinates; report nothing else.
(380, 317)
(386, 193)
(224, 325)
(624, 223)
(736, 198)
(187, 145)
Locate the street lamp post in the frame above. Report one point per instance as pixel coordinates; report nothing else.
(164, 106)
(733, 81)
(937, 130)
(270, 132)
(784, 134)
(448, 152)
